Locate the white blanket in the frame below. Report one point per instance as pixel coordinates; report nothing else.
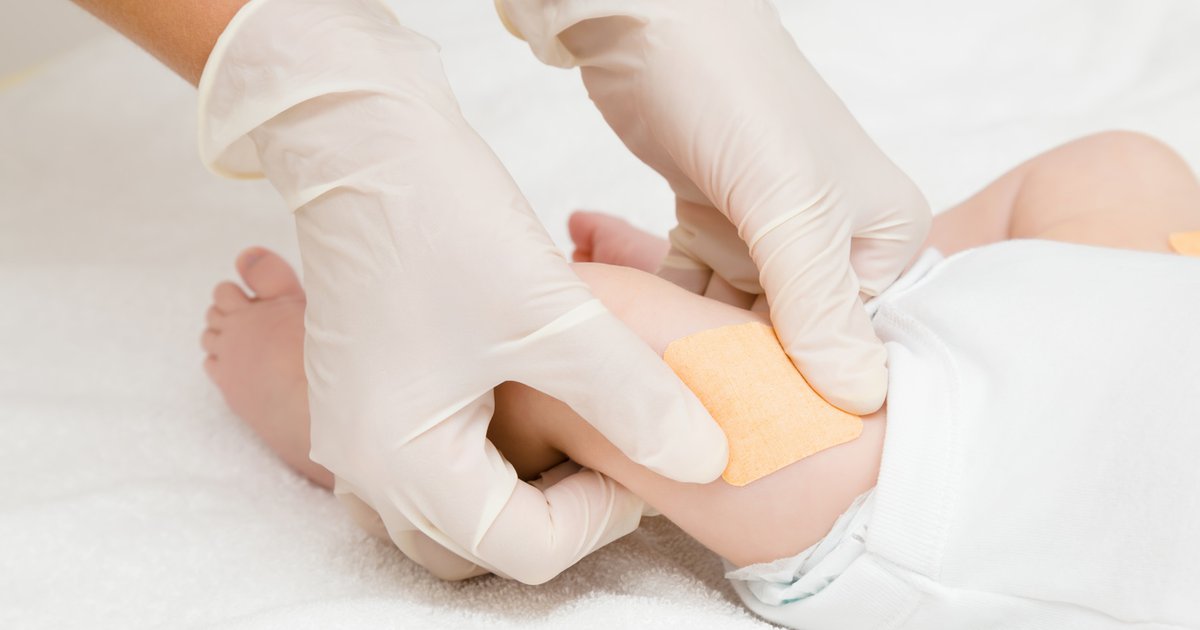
(132, 498)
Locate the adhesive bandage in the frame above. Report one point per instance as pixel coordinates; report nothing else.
(1186, 243)
(770, 415)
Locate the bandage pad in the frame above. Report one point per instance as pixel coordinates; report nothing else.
(769, 414)
(1186, 243)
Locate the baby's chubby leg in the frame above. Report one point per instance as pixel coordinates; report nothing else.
(774, 517)
(1113, 189)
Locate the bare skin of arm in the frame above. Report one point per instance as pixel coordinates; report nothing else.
(179, 33)
(1115, 189)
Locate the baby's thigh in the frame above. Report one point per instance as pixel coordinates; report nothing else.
(656, 310)
(1115, 189)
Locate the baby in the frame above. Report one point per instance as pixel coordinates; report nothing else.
(1034, 465)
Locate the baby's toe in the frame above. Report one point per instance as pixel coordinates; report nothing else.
(208, 341)
(604, 238)
(582, 227)
(214, 318)
(211, 367)
(267, 274)
(229, 297)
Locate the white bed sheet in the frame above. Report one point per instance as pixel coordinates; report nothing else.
(133, 499)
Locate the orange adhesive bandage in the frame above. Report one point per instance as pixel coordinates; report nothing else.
(1186, 243)
(767, 410)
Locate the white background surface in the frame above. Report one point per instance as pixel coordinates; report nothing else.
(34, 31)
(132, 498)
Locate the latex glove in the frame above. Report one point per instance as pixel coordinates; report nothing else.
(715, 96)
(430, 281)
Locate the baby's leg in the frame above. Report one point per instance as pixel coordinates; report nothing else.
(1114, 189)
(774, 517)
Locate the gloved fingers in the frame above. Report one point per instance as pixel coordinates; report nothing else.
(681, 269)
(706, 235)
(449, 480)
(617, 383)
(881, 253)
(703, 239)
(721, 290)
(819, 317)
(540, 533)
(446, 478)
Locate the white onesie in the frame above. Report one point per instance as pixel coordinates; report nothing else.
(1041, 467)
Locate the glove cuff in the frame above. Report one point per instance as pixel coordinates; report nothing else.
(541, 22)
(276, 54)
(508, 25)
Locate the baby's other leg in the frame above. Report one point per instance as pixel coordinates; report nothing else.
(1114, 189)
(609, 239)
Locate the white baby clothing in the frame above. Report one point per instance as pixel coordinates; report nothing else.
(1041, 467)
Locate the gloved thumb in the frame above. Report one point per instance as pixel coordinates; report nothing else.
(882, 250)
(680, 268)
(820, 319)
(704, 238)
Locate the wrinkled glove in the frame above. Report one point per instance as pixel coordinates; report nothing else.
(430, 281)
(779, 191)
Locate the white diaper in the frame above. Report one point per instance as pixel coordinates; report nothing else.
(1039, 468)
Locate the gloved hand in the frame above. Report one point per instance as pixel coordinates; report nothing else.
(779, 191)
(430, 281)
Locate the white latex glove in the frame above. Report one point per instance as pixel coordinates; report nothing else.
(430, 281)
(779, 190)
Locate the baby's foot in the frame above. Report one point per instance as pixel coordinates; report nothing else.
(255, 349)
(603, 238)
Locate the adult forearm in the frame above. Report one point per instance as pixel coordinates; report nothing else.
(180, 33)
